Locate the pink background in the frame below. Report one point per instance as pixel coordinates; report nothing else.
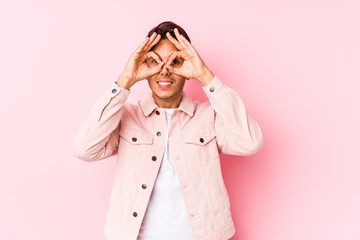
(296, 64)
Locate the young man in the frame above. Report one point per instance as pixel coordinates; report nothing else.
(168, 182)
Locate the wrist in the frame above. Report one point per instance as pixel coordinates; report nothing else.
(124, 82)
(206, 77)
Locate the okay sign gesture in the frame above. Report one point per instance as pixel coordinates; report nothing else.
(136, 68)
(193, 66)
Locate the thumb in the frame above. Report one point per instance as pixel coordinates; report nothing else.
(173, 70)
(157, 68)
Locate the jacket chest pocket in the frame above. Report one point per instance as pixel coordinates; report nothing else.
(134, 142)
(203, 141)
(135, 136)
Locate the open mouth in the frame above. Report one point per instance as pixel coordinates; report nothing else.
(164, 84)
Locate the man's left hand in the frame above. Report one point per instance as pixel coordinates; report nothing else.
(193, 66)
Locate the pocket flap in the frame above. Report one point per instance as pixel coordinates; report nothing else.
(135, 136)
(199, 136)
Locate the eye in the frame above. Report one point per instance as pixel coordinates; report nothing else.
(177, 62)
(150, 62)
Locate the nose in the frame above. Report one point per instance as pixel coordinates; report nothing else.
(164, 71)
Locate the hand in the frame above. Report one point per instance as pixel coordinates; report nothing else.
(193, 66)
(136, 68)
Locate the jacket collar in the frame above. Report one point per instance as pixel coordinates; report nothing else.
(148, 105)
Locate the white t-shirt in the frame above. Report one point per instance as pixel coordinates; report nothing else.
(166, 216)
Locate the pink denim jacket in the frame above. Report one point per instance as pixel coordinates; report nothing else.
(198, 133)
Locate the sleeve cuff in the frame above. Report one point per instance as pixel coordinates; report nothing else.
(114, 90)
(213, 87)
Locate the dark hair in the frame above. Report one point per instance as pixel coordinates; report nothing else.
(168, 26)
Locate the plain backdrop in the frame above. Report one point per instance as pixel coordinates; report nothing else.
(296, 65)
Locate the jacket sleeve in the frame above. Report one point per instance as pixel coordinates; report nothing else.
(236, 132)
(98, 137)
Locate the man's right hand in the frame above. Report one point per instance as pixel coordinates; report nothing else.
(136, 68)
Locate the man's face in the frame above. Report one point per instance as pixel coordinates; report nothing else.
(166, 87)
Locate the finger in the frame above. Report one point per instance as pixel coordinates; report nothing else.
(154, 42)
(173, 41)
(178, 36)
(171, 69)
(173, 56)
(154, 56)
(156, 69)
(152, 37)
(182, 43)
(142, 45)
(176, 71)
(187, 43)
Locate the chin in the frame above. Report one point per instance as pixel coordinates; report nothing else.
(163, 96)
